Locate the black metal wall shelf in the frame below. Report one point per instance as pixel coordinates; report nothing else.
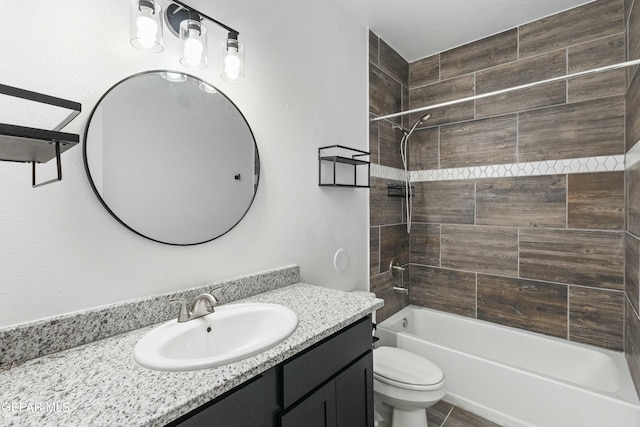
(332, 156)
(399, 190)
(32, 145)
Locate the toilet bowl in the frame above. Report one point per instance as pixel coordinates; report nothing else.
(408, 384)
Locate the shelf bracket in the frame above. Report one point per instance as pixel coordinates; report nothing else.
(58, 165)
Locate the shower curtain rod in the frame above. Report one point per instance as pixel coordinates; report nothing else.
(511, 89)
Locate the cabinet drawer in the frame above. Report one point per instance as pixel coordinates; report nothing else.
(307, 371)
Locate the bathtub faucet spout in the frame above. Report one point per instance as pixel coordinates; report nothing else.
(400, 289)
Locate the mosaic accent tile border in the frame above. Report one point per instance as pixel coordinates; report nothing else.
(633, 155)
(386, 172)
(547, 167)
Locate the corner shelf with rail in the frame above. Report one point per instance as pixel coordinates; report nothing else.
(32, 145)
(340, 166)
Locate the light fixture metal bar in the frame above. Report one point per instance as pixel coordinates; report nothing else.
(215, 21)
(511, 89)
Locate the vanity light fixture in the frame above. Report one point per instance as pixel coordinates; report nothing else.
(194, 36)
(233, 54)
(187, 24)
(145, 26)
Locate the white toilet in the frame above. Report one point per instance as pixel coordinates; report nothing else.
(408, 383)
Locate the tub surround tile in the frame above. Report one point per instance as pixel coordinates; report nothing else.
(425, 244)
(588, 258)
(406, 101)
(537, 201)
(517, 73)
(627, 10)
(634, 33)
(632, 242)
(481, 54)
(374, 43)
(596, 201)
(444, 202)
(525, 304)
(543, 95)
(393, 64)
(390, 145)
(596, 86)
(632, 270)
(424, 71)
(447, 90)
(461, 112)
(104, 386)
(562, 132)
(541, 67)
(382, 285)
(374, 251)
(632, 344)
(549, 159)
(374, 141)
(483, 249)
(477, 143)
(424, 149)
(382, 208)
(443, 289)
(596, 317)
(594, 20)
(35, 339)
(594, 54)
(394, 243)
(385, 94)
(633, 111)
(633, 199)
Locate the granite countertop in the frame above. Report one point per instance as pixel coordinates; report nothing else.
(100, 384)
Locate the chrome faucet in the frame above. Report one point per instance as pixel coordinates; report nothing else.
(204, 304)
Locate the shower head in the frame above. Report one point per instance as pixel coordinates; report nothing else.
(420, 121)
(424, 118)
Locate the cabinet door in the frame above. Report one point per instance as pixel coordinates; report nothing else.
(354, 394)
(244, 407)
(317, 410)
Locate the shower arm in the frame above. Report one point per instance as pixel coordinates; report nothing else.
(511, 89)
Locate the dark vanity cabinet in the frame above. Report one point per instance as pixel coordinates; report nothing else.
(328, 385)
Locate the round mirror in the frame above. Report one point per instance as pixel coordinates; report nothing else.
(171, 158)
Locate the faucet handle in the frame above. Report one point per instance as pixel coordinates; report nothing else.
(204, 304)
(183, 315)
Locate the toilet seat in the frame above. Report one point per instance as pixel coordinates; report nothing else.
(403, 369)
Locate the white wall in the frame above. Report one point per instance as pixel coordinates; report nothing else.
(306, 86)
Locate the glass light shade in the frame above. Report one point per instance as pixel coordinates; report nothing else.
(194, 36)
(233, 56)
(173, 77)
(145, 26)
(205, 87)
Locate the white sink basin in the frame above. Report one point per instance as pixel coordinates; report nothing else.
(231, 333)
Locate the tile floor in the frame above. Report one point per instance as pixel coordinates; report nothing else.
(443, 414)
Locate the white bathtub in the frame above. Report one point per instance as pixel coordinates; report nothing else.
(515, 377)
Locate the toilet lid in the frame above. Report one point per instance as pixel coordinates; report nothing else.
(403, 367)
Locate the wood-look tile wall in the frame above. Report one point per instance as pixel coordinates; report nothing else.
(542, 253)
(388, 93)
(632, 235)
